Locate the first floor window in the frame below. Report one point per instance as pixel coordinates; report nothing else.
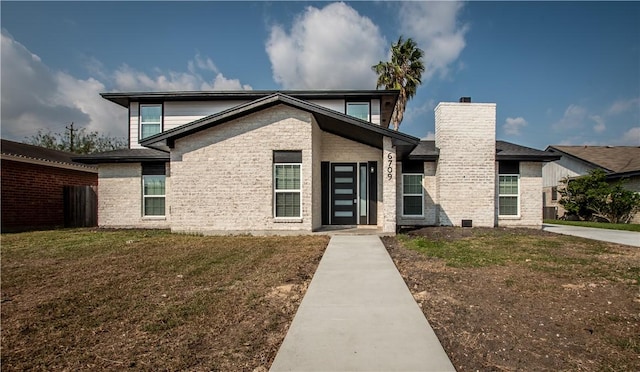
(358, 110)
(287, 190)
(153, 189)
(508, 195)
(412, 195)
(150, 120)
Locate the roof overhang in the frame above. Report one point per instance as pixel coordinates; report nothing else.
(329, 120)
(124, 156)
(533, 158)
(623, 175)
(47, 163)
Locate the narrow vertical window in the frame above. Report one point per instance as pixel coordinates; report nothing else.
(358, 110)
(412, 195)
(150, 120)
(287, 186)
(153, 190)
(508, 188)
(508, 195)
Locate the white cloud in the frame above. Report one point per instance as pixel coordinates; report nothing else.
(414, 113)
(578, 141)
(600, 124)
(429, 137)
(435, 27)
(574, 117)
(36, 97)
(128, 79)
(512, 126)
(329, 48)
(622, 106)
(630, 137)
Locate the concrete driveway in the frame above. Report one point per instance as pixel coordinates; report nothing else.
(613, 236)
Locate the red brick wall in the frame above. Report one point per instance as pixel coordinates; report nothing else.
(32, 195)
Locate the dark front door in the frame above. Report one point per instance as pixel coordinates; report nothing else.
(343, 193)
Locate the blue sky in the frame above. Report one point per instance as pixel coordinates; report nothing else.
(560, 73)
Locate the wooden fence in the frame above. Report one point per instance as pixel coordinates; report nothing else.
(80, 206)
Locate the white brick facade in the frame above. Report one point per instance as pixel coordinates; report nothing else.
(120, 198)
(430, 207)
(465, 175)
(530, 198)
(220, 179)
(389, 183)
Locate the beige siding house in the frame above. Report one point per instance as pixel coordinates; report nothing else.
(278, 161)
(618, 162)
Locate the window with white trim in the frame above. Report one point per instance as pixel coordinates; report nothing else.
(153, 190)
(287, 190)
(508, 194)
(412, 195)
(287, 184)
(150, 120)
(358, 110)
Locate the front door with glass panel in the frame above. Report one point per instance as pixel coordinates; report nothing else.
(343, 193)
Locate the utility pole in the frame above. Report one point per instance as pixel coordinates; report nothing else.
(71, 129)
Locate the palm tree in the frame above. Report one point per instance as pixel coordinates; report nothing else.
(403, 72)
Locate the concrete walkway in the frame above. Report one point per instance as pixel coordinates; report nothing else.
(614, 236)
(358, 315)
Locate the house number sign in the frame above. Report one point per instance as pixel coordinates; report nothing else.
(389, 166)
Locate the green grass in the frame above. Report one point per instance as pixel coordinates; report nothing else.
(555, 254)
(601, 225)
(105, 299)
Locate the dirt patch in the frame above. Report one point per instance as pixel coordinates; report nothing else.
(150, 300)
(549, 302)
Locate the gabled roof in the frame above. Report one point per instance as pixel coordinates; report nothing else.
(611, 159)
(428, 151)
(328, 120)
(124, 156)
(387, 98)
(23, 152)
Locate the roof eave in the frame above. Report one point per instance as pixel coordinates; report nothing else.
(533, 158)
(633, 173)
(118, 159)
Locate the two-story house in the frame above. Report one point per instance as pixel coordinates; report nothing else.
(273, 161)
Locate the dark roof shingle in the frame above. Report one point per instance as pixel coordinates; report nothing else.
(427, 150)
(123, 156)
(32, 152)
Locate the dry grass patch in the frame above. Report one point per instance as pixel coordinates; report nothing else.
(99, 299)
(518, 299)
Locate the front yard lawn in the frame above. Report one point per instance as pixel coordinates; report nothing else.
(600, 225)
(115, 299)
(518, 299)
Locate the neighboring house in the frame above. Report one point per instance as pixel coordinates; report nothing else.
(33, 180)
(265, 161)
(618, 162)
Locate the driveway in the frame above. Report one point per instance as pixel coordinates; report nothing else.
(613, 236)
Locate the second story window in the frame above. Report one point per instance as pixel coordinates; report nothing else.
(150, 120)
(358, 110)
